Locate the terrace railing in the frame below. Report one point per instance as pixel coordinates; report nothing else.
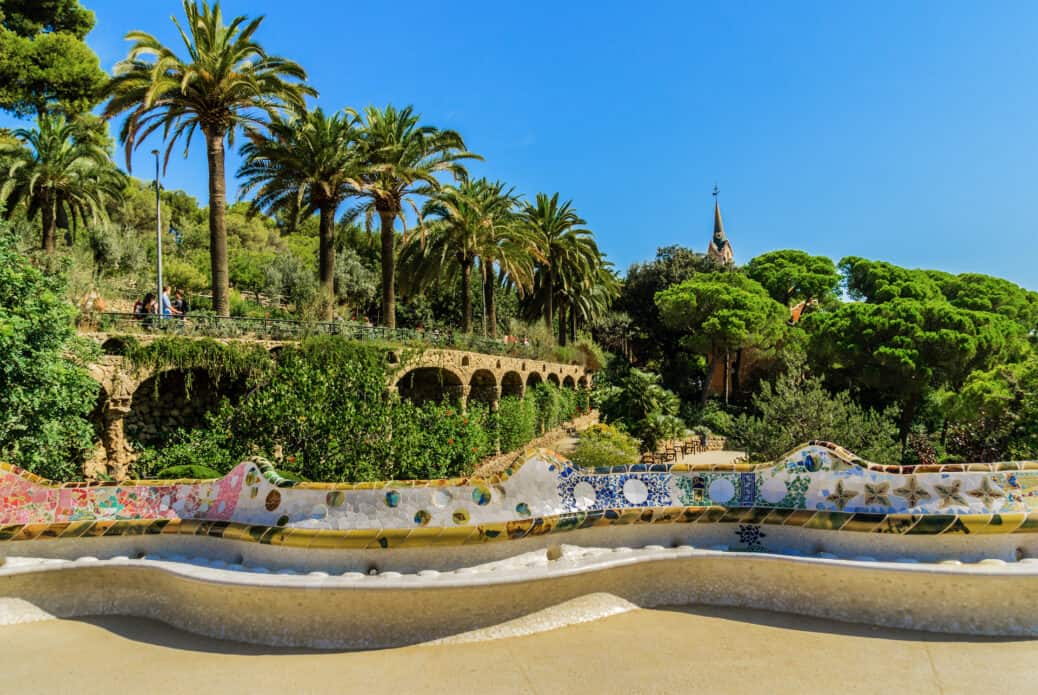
(247, 328)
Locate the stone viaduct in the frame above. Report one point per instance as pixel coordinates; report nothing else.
(133, 399)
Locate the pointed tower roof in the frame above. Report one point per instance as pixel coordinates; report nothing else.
(719, 250)
(719, 237)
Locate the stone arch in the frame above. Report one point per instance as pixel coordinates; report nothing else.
(114, 346)
(176, 399)
(512, 385)
(568, 382)
(424, 384)
(554, 378)
(583, 382)
(533, 378)
(483, 386)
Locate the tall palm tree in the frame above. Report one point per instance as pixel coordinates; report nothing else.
(60, 171)
(459, 223)
(510, 246)
(398, 160)
(224, 81)
(595, 298)
(301, 166)
(569, 253)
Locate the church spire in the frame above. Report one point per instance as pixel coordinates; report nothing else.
(719, 250)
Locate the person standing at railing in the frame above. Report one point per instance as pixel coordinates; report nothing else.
(180, 305)
(140, 307)
(166, 307)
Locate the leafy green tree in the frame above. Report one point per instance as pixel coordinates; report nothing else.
(305, 165)
(721, 313)
(994, 295)
(46, 393)
(797, 408)
(45, 64)
(61, 174)
(896, 351)
(879, 281)
(398, 161)
(647, 339)
(356, 285)
(994, 416)
(226, 81)
(792, 276)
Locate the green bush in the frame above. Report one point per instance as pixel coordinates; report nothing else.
(322, 407)
(715, 418)
(516, 422)
(46, 393)
(604, 445)
(188, 471)
(795, 410)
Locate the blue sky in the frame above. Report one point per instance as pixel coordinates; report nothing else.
(901, 131)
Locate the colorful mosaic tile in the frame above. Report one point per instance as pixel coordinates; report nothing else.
(819, 486)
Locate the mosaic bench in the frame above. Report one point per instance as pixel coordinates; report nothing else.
(819, 503)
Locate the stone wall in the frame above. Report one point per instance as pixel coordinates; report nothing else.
(171, 401)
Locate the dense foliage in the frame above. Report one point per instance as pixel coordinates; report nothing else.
(46, 392)
(797, 408)
(357, 434)
(45, 63)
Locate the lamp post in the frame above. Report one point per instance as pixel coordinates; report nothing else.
(158, 231)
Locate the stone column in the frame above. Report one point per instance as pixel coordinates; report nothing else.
(119, 384)
(118, 451)
(463, 396)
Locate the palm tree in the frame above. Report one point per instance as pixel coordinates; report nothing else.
(460, 222)
(303, 166)
(398, 160)
(513, 248)
(569, 252)
(225, 81)
(62, 173)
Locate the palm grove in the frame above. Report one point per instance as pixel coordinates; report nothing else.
(372, 213)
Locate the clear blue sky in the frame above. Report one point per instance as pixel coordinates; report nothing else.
(901, 131)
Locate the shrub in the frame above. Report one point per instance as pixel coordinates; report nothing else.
(715, 418)
(795, 410)
(604, 445)
(188, 471)
(46, 393)
(516, 422)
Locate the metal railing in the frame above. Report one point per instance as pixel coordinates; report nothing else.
(247, 328)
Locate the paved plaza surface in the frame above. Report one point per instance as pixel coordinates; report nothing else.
(643, 651)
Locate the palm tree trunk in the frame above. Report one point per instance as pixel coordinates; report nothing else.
(466, 294)
(327, 260)
(218, 225)
(388, 217)
(562, 323)
(488, 296)
(573, 324)
(549, 308)
(50, 224)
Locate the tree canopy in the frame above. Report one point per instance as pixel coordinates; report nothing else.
(792, 276)
(719, 313)
(45, 63)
